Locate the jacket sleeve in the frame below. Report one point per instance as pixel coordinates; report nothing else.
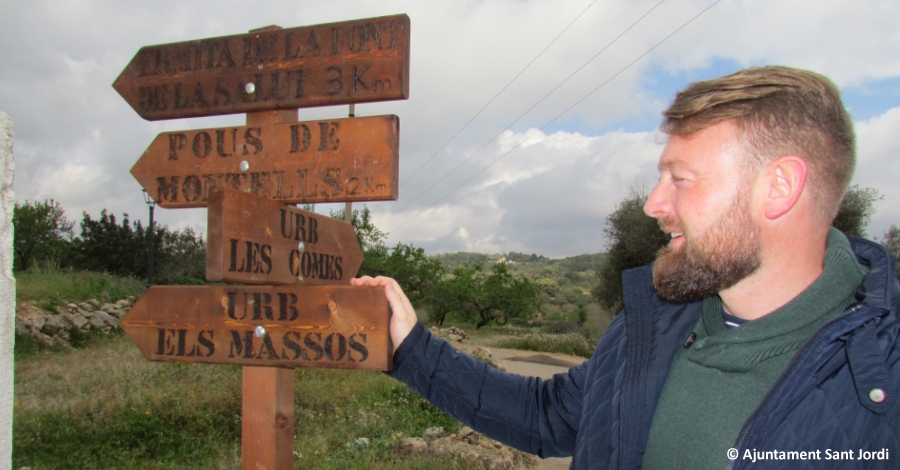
(528, 413)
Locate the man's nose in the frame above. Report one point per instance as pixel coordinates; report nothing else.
(658, 202)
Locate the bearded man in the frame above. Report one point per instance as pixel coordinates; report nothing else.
(761, 336)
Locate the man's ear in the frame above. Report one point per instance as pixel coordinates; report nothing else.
(785, 178)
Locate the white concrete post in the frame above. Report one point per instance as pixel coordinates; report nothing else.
(7, 289)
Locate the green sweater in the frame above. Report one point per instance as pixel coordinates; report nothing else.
(716, 383)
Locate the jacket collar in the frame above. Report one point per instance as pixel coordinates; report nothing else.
(879, 287)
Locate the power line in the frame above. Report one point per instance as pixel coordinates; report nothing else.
(559, 115)
(604, 48)
(499, 93)
(527, 66)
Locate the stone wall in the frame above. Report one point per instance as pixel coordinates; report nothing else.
(57, 329)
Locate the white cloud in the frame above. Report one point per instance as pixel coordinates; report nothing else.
(77, 139)
(878, 166)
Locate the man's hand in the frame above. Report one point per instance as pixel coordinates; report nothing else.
(404, 316)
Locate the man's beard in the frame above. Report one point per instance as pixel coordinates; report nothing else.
(710, 262)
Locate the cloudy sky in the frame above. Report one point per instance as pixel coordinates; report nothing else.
(535, 168)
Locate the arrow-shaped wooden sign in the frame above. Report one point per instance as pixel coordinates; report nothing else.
(348, 62)
(258, 240)
(290, 326)
(338, 160)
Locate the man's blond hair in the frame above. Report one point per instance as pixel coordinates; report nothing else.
(779, 111)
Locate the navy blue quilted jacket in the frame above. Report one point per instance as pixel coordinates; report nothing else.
(600, 412)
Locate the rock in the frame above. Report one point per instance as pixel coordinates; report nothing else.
(60, 341)
(51, 325)
(475, 450)
(37, 323)
(109, 308)
(484, 354)
(43, 340)
(451, 334)
(434, 433)
(53, 329)
(21, 327)
(66, 320)
(78, 321)
(97, 323)
(412, 446)
(103, 321)
(110, 320)
(479, 456)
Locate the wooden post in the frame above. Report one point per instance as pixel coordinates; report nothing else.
(267, 402)
(267, 413)
(258, 82)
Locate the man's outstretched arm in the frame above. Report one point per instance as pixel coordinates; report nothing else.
(534, 415)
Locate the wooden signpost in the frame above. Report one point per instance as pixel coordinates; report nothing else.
(305, 315)
(338, 63)
(281, 326)
(336, 160)
(257, 240)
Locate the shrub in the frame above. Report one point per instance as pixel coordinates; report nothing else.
(571, 343)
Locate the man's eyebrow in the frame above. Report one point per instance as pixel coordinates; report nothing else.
(672, 162)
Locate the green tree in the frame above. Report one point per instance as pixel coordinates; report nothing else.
(182, 257)
(891, 241)
(633, 238)
(121, 249)
(546, 286)
(367, 233)
(41, 232)
(494, 297)
(856, 210)
(418, 273)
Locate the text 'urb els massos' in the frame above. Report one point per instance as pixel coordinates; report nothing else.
(283, 326)
(338, 63)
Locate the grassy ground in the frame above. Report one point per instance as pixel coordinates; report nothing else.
(48, 288)
(105, 406)
(553, 336)
(568, 343)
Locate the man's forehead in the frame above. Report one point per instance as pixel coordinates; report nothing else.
(711, 145)
(674, 156)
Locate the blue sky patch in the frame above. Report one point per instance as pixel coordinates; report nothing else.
(872, 98)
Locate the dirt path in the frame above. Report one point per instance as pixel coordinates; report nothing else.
(534, 364)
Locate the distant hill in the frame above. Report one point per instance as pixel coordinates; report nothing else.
(580, 270)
